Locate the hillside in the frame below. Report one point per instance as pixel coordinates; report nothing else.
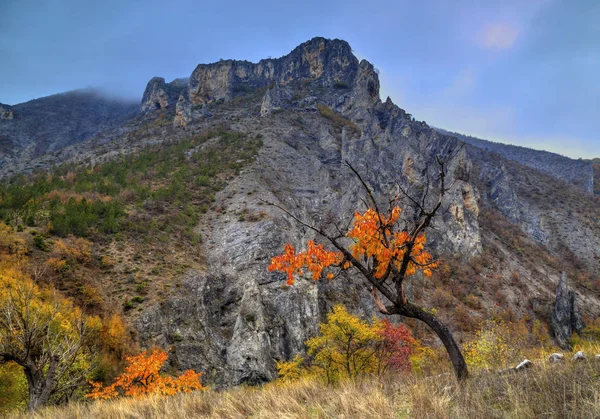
(47, 125)
(576, 172)
(173, 202)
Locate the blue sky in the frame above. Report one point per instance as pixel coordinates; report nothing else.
(525, 72)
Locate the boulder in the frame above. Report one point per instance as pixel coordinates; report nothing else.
(524, 365)
(579, 356)
(556, 357)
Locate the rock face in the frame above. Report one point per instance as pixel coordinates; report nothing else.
(6, 112)
(183, 111)
(565, 318)
(330, 61)
(161, 95)
(528, 197)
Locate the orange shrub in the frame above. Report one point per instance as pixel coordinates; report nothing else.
(142, 377)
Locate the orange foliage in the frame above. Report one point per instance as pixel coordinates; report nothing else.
(68, 251)
(142, 377)
(374, 238)
(74, 248)
(315, 259)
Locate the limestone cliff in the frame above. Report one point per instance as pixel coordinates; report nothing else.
(162, 95)
(329, 61)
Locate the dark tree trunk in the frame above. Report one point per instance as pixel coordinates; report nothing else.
(40, 385)
(458, 361)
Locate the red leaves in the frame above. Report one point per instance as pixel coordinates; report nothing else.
(397, 345)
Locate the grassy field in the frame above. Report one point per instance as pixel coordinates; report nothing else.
(566, 390)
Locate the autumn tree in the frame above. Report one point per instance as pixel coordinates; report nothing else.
(42, 332)
(142, 377)
(45, 334)
(384, 249)
(348, 347)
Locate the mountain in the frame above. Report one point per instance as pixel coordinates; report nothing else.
(183, 254)
(49, 124)
(576, 172)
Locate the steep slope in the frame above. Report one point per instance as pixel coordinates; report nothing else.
(596, 165)
(576, 172)
(279, 131)
(47, 125)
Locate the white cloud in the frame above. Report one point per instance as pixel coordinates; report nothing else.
(498, 36)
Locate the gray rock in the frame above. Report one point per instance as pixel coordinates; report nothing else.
(161, 95)
(565, 319)
(183, 111)
(577, 172)
(275, 99)
(579, 356)
(329, 61)
(556, 357)
(523, 365)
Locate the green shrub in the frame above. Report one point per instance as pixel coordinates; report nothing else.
(40, 243)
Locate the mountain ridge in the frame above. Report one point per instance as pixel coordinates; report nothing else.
(578, 172)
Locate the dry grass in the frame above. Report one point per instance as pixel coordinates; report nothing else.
(568, 390)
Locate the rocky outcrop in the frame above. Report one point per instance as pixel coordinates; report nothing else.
(330, 61)
(565, 319)
(277, 98)
(6, 112)
(183, 111)
(161, 95)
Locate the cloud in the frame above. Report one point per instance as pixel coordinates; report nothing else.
(498, 36)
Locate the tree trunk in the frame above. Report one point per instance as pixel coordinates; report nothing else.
(35, 383)
(40, 385)
(458, 361)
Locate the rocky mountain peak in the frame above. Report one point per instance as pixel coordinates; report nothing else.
(162, 95)
(330, 62)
